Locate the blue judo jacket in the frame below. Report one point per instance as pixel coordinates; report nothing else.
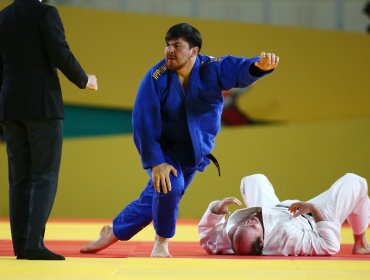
(169, 121)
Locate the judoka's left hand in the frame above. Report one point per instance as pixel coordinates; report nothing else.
(301, 207)
(161, 177)
(267, 62)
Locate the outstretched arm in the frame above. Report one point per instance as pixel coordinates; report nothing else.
(59, 51)
(241, 72)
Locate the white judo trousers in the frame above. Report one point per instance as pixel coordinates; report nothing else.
(347, 199)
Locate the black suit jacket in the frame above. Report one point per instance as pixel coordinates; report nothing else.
(32, 47)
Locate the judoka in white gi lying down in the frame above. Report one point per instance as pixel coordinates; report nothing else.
(288, 228)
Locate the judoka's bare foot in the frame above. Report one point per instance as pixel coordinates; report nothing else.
(160, 249)
(361, 246)
(361, 250)
(105, 239)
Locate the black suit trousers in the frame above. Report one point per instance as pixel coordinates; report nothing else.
(34, 149)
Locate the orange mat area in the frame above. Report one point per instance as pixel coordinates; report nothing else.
(127, 249)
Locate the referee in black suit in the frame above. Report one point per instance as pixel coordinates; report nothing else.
(32, 47)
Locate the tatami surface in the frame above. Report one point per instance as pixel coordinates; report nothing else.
(130, 260)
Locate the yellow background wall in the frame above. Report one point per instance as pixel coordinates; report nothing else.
(320, 90)
(322, 74)
(101, 175)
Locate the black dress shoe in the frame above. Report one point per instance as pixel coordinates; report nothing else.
(44, 254)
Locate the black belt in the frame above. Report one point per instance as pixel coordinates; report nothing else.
(215, 162)
(210, 156)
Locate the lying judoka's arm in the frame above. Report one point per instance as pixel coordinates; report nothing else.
(301, 207)
(211, 228)
(325, 240)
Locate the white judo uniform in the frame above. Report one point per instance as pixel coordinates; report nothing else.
(347, 199)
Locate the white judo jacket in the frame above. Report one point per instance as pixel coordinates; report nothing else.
(347, 199)
(283, 235)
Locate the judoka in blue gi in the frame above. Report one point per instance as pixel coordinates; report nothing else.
(176, 117)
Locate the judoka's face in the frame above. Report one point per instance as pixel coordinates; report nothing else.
(248, 235)
(178, 54)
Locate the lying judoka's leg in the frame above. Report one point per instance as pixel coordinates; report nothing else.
(257, 190)
(348, 199)
(359, 219)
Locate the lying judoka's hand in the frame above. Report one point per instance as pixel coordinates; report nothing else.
(222, 206)
(161, 177)
(267, 62)
(301, 207)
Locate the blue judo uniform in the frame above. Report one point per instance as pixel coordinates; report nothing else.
(178, 127)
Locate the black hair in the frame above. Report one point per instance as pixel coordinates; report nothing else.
(187, 32)
(257, 247)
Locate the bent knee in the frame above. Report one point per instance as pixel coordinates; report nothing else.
(251, 181)
(352, 176)
(355, 181)
(177, 190)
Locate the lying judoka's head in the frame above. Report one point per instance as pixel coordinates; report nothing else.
(248, 237)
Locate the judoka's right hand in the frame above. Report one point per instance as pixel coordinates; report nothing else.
(161, 177)
(222, 207)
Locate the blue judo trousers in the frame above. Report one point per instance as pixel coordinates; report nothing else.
(159, 207)
(178, 127)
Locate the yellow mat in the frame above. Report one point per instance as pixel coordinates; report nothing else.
(175, 268)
